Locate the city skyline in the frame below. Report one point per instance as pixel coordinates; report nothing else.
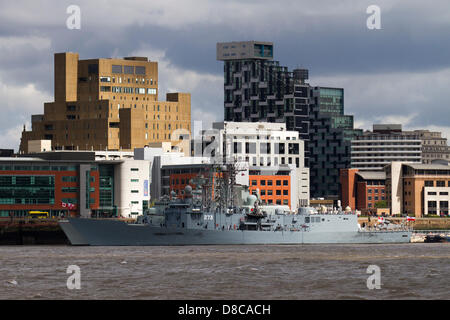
(397, 74)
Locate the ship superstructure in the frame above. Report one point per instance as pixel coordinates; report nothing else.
(233, 216)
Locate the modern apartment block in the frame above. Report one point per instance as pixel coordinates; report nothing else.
(268, 148)
(108, 104)
(257, 88)
(386, 143)
(331, 133)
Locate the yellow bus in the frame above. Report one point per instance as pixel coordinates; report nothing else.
(39, 214)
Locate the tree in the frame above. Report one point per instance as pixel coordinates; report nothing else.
(381, 204)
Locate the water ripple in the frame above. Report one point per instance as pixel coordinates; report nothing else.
(408, 271)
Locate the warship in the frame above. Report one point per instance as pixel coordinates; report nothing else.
(228, 216)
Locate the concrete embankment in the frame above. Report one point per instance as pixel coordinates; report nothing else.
(28, 231)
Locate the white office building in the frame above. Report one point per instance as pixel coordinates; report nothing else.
(264, 146)
(385, 144)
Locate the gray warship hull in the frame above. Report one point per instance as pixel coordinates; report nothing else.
(105, 232)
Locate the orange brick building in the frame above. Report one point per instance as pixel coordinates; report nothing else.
(362, 190)
(274, 188)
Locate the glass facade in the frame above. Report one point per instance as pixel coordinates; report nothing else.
(331, 100)
(106, 189)
(20, 189)
(331, 133)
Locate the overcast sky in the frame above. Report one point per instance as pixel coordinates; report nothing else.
(397, 74)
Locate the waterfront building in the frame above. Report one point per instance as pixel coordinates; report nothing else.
(382, 150)
(274, 154)
(107, 104)
(418, 189)
(386, 143)
(257, 88)
(363, 190)
(331, 133)
(434, 146)
(73, 183)
(278, 187)
(163, 179)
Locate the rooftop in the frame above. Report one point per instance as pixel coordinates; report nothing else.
(431, 166)
(372, 175)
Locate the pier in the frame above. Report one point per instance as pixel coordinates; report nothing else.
(29, 231)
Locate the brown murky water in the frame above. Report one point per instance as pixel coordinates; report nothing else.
(408, 271)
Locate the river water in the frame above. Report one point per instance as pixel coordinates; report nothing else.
(407, 271)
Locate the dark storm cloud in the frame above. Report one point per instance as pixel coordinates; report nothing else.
(329, 38)
(327, 44)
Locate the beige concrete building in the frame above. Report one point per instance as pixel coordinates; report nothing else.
(434, 146)
(418, 189)
(39, 146)
(108, 104)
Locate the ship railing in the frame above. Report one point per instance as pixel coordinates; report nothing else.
(432, 231)
(378, 229)
(333, 213)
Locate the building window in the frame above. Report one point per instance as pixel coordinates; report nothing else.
(440, 183)
(250, 147)
(429, 183)
(280, 148)
(264, 148)
(237, 147)
(432, 207)
(70, 179)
